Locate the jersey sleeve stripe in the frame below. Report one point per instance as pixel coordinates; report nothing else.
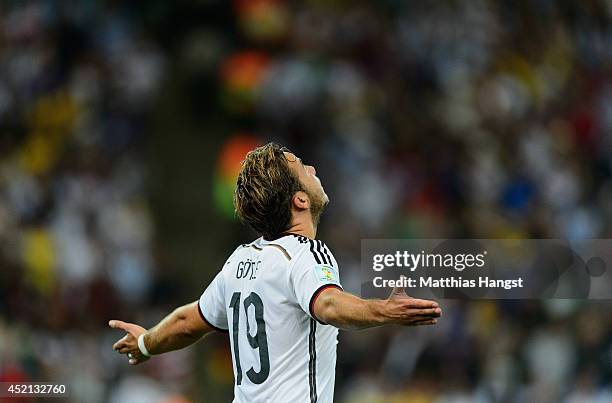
(326, 252)
(312, 361)
(314, 253)
(314, 297)
(319, 251)
(323, 253)
(218, 329)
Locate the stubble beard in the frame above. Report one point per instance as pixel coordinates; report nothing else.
(317, 205)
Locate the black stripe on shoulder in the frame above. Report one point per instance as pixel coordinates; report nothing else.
(320, 251)
(218, 329)
(324, 254)
(327, 253)
(314, 253)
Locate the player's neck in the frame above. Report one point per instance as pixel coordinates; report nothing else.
(303, 225)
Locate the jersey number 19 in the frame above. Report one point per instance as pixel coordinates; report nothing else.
(259, 341)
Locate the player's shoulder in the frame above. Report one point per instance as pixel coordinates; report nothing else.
(309, 251)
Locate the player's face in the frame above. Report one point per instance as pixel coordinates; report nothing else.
(307, 175)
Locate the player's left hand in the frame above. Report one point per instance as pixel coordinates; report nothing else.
(128, 344)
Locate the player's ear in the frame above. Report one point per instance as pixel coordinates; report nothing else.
(301, 201)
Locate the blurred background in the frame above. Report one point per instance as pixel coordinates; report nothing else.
(122, 126)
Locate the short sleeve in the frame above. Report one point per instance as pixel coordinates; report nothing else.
(312, 273)
(212, 304)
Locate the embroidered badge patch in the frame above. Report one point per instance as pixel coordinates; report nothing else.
(326, 274)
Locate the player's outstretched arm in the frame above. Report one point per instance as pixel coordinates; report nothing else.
(347, 311)
(182, 327)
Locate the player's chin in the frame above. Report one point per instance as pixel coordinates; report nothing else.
(323, 196)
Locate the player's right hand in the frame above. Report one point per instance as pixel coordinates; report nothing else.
(402, 309)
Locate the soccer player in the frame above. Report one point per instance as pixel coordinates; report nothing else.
(279, 297)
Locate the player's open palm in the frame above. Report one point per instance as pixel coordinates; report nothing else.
(128, 344)
(408, 311)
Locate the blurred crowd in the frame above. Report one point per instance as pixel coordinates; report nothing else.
(76, 86)
(479, 119)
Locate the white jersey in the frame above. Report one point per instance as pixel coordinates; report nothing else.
(264, 297)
